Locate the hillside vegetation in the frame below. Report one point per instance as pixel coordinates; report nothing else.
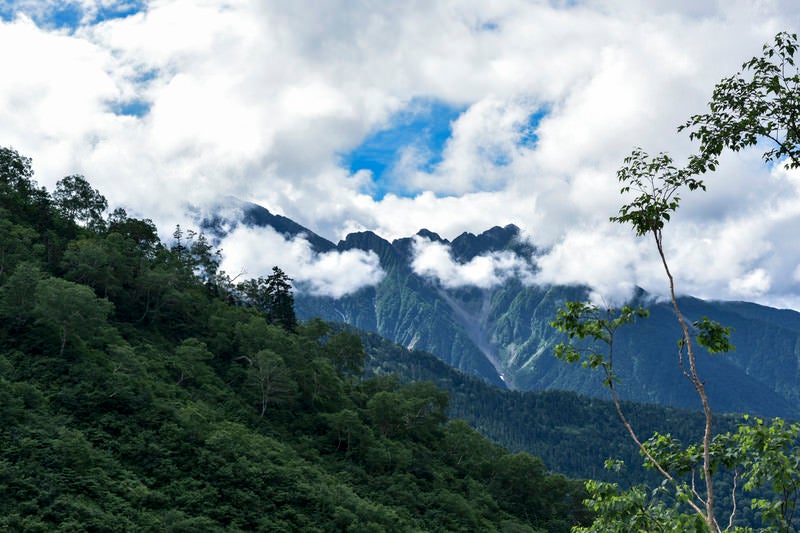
(142, 390)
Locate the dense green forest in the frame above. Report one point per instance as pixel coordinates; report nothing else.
(143, 390)
(572, 434)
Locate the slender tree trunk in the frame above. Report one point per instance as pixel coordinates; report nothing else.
(699, 386)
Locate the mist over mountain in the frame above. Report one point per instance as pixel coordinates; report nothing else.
(229, 213)
(472, 303)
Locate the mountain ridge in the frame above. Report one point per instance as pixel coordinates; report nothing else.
(503, 334)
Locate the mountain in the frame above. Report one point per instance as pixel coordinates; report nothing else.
(503, 335)
(140, 390)
(229, 212)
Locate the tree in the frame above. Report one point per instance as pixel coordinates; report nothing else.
(102, 263)
(76, 200)
(760, 103)
(205, 260)
(18, 293)
(350, 431)
(142, 231)
(193, 250)
(19, 192)
(178, 247)
(16, 171)
(272, 378)
(72, 310)
(346, 353)
(189, 361)
(273, 295)
(16, 244)
(416, 410)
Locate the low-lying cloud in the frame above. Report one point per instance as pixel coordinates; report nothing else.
(602, 260)
(434, 260)
(251, 252)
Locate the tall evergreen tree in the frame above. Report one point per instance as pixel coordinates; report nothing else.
(281, 305)
(273, 295)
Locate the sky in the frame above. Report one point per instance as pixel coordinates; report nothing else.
(451, 115)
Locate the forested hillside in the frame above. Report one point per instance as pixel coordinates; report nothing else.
(572, 434)
(142, 390)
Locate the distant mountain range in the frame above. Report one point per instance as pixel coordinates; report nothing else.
(502, 334)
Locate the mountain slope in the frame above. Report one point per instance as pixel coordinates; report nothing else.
(229, 212)
(404, 307)
(539, 422)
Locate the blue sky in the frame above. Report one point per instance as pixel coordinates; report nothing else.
(69, 15)
(131, 108)
(424, 125)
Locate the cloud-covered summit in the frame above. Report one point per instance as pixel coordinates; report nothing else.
(434, 259)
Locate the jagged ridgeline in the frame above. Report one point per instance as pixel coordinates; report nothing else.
(142, 390)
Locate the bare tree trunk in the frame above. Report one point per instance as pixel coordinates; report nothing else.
(699, 386)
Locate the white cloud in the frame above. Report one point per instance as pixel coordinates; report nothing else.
(260, 99)
(252, 252)
(753, 284)
(606, 261)
(483, 144)
(433, 259)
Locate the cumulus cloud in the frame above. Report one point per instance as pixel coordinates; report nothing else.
(183, 102)
(719, 246)
(753, 284)
(485, 140)
(604, 260)
(434, 260)
(252, 252)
